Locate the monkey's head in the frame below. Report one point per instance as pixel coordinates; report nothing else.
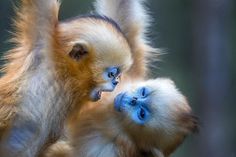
(156, 115)
(97, 50)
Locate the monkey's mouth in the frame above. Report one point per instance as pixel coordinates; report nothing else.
(96, 95)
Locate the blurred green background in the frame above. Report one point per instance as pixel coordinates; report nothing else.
(198, 38)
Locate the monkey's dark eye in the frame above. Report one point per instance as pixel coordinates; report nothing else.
(111, 75)
(78, 51)
(112, 72)
(143, 92)
(133, 101)
(142, 114)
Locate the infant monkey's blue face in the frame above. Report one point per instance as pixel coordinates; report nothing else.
(111, 76)
(135, 104)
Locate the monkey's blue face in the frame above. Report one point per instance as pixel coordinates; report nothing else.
(135, 104)
(111, 75)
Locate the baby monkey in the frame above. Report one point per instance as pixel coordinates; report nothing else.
(148, 119)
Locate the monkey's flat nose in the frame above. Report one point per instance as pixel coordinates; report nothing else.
(116, 80)
(134, 101)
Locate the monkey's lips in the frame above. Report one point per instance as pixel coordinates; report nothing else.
(95, 95)
(118, 102)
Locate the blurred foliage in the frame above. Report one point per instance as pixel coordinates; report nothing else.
(172, 31)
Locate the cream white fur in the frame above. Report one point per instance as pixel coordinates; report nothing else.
(129, 14)
(167, 101)
(133, 18)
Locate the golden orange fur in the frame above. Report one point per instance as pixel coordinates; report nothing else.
(43, 85)
(98, 130)
(59, 149)
(20, 58)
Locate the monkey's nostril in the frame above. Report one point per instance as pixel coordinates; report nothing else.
(142, 114)
(115, 83)
(133, 101)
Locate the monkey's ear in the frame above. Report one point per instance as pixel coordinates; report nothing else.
(190, 122)
(79, 50)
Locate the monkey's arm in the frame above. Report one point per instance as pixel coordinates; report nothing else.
(34, 37)
(35, 25)
(134, 20)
